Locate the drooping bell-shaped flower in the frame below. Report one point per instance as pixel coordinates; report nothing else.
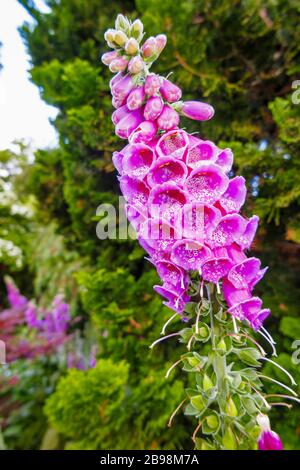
(200, 220)
(168, 118)
(167, 201)
(268, 439)
(200, 152)
(138, 158)
(234, 196)
(197, 110)
(215, 269)
(159, 234)
(190, 254)
(246, 239)
(135, 216)
(167, 169)
(207, 183)
(243, 274)
(176, 300)
(135, 192)
(121, 88)
(225, 160)
(171, 274)
(173, 144)
(229, 230)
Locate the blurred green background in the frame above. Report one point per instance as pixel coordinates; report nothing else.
(242, 56)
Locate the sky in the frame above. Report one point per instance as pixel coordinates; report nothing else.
(23, 115)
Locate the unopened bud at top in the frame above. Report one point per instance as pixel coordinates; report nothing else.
(149, 47)
(161, 41)
(137, 30)
(108, 57)
(109, 35)
(122, 23)
(135, 65)
(131, 46)
(118, 65)
(120, 38)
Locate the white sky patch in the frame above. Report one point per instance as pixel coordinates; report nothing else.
(23, 115)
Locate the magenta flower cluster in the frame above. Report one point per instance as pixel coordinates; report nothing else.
(180, 198)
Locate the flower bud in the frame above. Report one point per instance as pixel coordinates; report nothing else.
(229, 439)
(136, 65)
(118, 65)
(153, 108)
(127, 125)
(117, 102)
(197, 110)
(149, 47)
(122, 87)
(168, 119)
(120, 38)
(207, 383)
(231, 409)
(108, 57)
(122, 23)
(136, 98)
(144, 132)
(137, 30)
(161, 41)
(169, 91)
(212, 421)
(131, 46)
(119, 114)
(109, 35)
(152, 84)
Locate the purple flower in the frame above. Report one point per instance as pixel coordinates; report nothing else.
(149, 48)
(190, 254)
(201, 151)
(152, 84)
(135, 192)
(173, 144)
(153, 108)
(138, 158)
(268, 439)
(119, 114)
(197, 110)
(207, 183)
(136, 98)
(167, 201)
(168, 119)
(225, 160)
(234, 196)
(16, 300)
(169, 91)
(167, 169)
(122, 87)
(108, 57)
(143, 133)
(128, 124)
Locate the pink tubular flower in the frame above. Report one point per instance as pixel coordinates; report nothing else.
(167, 169)
(197, 110)
(207, 183)
(268, 439)
(173, 144)
(169, 91)
(167, 201)
(136, 98)
(168, 119)
(190, 254)
(138, 158)
(117, 115)
(153, 108)
(122, 87)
